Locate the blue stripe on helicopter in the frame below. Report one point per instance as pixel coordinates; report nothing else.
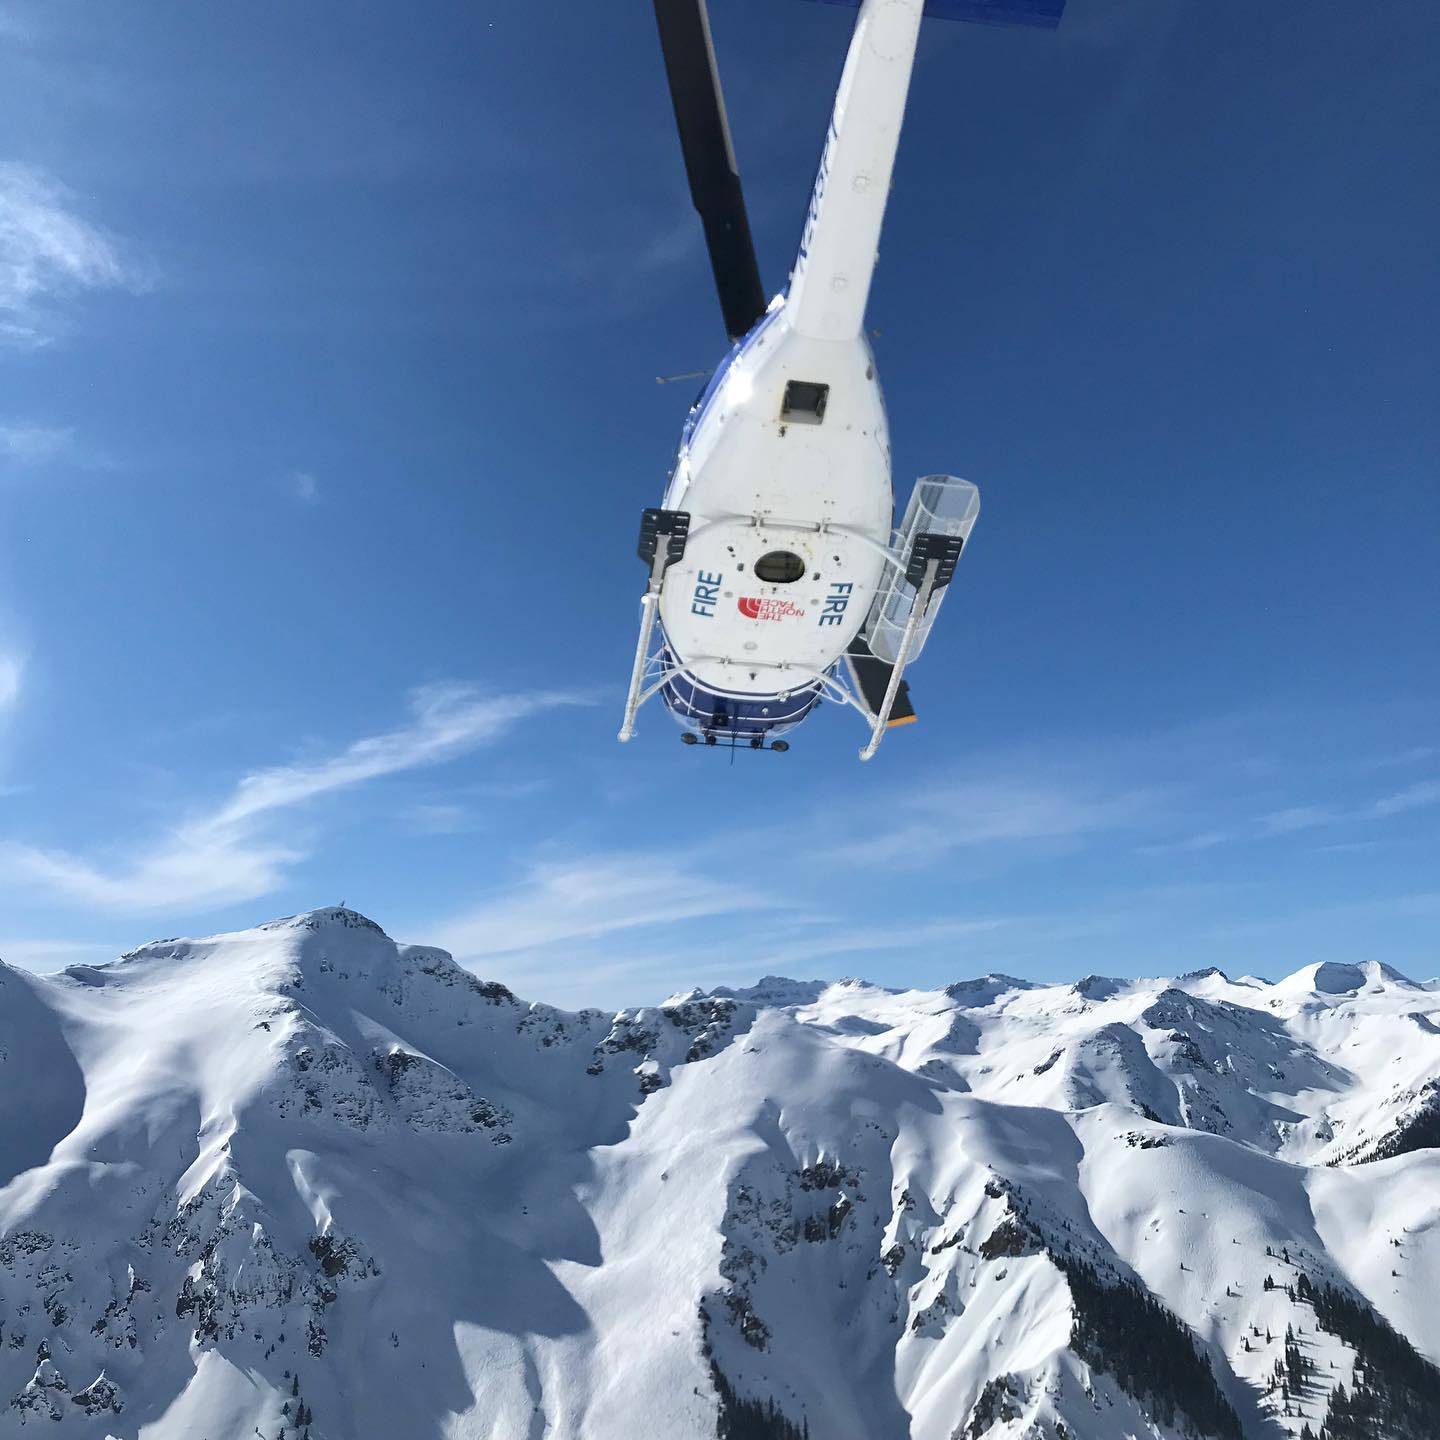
(712, 386)
(707, 712)
(1045, 13)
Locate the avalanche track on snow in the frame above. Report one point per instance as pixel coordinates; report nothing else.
(301, 1181)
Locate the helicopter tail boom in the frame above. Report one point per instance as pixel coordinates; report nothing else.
(830, 283)
(1043, 13)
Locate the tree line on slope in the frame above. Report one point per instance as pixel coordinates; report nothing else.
(1396, 1391)
(1419, 1132)
(1126, 1332)
(742, 1419)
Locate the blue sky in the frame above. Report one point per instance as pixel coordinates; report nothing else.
(328, 338)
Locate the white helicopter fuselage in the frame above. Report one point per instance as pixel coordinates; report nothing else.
(759, 483)
(776, 554)
(787, 454)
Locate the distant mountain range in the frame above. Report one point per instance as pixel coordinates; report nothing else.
(301, 1181)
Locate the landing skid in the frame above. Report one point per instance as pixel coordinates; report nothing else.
(663, 535)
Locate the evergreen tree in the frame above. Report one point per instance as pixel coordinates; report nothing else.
(1122, 1329)
(1396, 1391)
(741, 1419)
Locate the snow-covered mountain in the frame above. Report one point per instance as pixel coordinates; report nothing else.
(301, 1180)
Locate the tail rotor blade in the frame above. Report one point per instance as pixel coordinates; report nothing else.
(710, 159)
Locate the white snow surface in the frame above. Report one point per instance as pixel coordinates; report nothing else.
(303, 1178)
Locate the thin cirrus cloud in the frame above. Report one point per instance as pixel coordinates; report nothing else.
(1414, 797)
(998, 811)
(233, 852)
(628, 928)
(620, 975)
(11, 674)
(1420, 796)
(1298, 819)
(583, 900)
(48, 254)
(1295, 818)
(23, 446)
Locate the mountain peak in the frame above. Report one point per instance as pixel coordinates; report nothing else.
(1330, 977)
(1326, 977)
(983, 990)
(1210, 972)
(775, 991)
(1098, 987)
(326, 917)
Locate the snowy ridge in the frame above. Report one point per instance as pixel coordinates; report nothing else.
(303, 1180)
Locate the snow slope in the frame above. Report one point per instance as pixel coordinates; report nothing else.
(301, 1179)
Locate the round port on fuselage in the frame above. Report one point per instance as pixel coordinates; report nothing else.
(780, 567)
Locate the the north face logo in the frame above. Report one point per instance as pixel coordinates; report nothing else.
(754, 609)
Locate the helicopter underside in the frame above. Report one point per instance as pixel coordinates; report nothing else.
(774, 549)
(713, 715)
(785, 473)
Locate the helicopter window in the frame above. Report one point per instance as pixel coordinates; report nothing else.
(780, 567)
(805, 402)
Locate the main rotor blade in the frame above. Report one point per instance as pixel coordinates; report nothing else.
(710, 159)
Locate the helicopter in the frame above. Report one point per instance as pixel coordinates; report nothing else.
(776, 576)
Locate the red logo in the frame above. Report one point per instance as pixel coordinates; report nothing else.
(753, 609)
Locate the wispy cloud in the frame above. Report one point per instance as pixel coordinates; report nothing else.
(11, 674)
(305, 487)
(234, 852)
(48, 253)
(1422, 905)
(824, 944)
(629, 928)
(1414, 797)
(1415, 755)
(569, 902)
(1295, 818)
(639, 973)
(998, 811)
(1202, 840)
(24, 445)
(448, 720)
